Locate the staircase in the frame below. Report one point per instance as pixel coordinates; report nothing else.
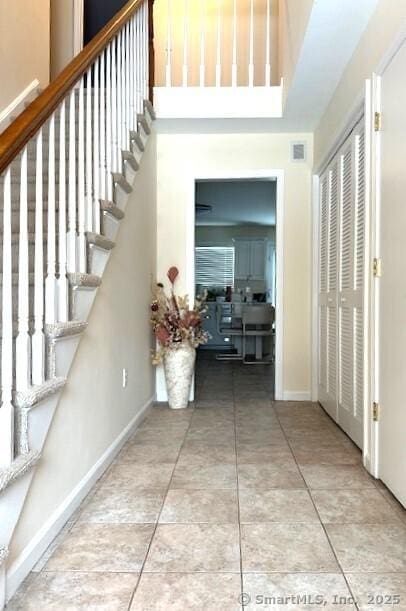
(63, 195)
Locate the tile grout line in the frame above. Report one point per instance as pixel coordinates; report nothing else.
(159, 514)
(318, 515)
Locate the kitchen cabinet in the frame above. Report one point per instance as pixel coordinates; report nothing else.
(250, 259)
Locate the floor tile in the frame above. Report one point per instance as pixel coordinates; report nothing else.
(188, 592)
(264, 476)
(353, 506)
(286, 548)
(114, 506)
(333, 455)
(181, 548)
(135, 475)
(149, 453)
(258, 505)
(77, 590)
(248, 453)
(336, 476)
(369, 548)
(103, 547)
(205, 476)
(196, 453)
(295, 591)
(200, 506)
(378, 591)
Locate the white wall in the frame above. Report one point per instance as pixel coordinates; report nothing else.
(94, 408)
(62, 35)
(384, 25)
(24, 46)
(184, 157)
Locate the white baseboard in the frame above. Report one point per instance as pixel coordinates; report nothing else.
(297, 395)
(30, 555)
(17, 105)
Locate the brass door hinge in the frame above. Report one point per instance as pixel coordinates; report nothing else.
(377, 121)
(375, 411)
(377, 267)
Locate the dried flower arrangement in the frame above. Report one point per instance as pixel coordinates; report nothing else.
(172, 320)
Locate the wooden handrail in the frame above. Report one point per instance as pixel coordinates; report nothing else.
(26, 125)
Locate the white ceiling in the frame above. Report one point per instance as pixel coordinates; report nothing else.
(237, 202)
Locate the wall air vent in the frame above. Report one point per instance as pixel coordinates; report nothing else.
(298, 151)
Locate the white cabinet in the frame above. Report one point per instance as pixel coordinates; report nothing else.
(250, 259)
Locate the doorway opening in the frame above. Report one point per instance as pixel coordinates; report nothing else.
(236, 268)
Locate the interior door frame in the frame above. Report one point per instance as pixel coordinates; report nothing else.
(78, 26)
(271, 175)
(372, 435)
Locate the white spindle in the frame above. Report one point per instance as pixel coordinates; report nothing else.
(185, 45)
(114, 99)
(109, 124)
(139, 59)
(268, 45)
(96, 147)
(122, 101)
(147, 58)
(62, 281)
(119, 102)
(202, 45)
(234, 63)
(6, 409)
(132, 75)
(218, 46)
(38, 338)
(50, 281)
(72, 260)
(23, 341)
(103, 126)
(251, 53)
(81, 179)
(144, 51)
(169, 47)
(89, 155)
(127, 86)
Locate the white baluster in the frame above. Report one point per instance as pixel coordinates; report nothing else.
(185, 45)
(251, 55)
(89, 156)
(96, 147)
(268, 45)
(143, 52)
(109, 124)
(81, 180)
(103, 126)
(23, 341)
(139, 70)
(114, 98)
(50, 281)
(218, 46)
(38, 338)
(72, 261)
(127, 87)
(202, 45)
(147, 58)
(119, 103)
(7, 409)
(169, 47)
(234, 64)
(132, 74)
(62, 282)
(123, 93)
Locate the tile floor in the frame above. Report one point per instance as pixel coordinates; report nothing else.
(239, 502)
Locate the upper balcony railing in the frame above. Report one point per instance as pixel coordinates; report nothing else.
(216, 58)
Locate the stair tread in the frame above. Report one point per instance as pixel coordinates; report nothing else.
(21, 465)
(135, 137)
(99, 240)
(129, 157)
(65, 329)
(120, 180)
(112, 208)
(78, 279)
(142, 120)
(150, 109)
(35, 394)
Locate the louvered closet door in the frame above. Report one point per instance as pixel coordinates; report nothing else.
(328, 290)
(351, 285)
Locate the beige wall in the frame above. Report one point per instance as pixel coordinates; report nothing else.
(24, 46)
(94, 408)
(184, 157)
(160, 25)
(62, 24)
(293, 19)
(385, 24)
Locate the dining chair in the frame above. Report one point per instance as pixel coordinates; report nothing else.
(257, 321)
(228, 330)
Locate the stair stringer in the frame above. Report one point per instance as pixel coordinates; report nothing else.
(35, 410)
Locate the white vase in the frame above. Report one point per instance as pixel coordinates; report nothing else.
(179, 364)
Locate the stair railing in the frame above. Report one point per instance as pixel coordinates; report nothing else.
(57, 161)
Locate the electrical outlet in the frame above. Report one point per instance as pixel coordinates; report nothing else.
(125, 378)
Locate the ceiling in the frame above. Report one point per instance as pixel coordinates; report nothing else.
(237, 202)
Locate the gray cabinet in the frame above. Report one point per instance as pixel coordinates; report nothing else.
(250, 259)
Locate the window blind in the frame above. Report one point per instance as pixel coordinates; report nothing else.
(215, 266)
